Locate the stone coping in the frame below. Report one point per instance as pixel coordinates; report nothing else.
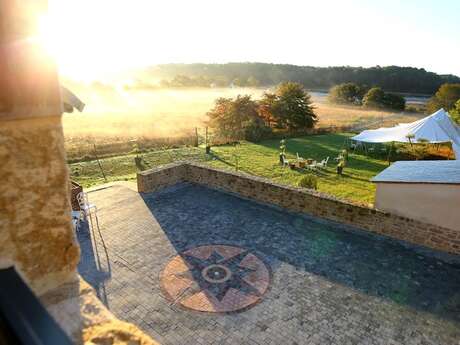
(302, 200)
(171, 166)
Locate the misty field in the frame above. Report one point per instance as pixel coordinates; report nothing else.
(116, 118)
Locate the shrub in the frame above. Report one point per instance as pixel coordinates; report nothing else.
(257, 131)
(346, 93)
(374, 98)
(309, 181)
(377, 98)
(455, 112)
(445, 98)
(87, 158)
(140, 163)
(416, 108)
(393, 101)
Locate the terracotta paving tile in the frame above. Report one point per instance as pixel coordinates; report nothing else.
(227, 279)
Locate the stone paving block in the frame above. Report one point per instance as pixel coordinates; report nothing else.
(327, 286)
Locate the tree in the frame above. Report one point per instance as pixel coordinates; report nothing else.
(393, 101)
(237, 118)
(346, 93)
(445, 98)
(377, 98)
(266, 105)
(252, 82)
(391, 78)
(455, 112)
(239, 82)
(291, 106)
(164, 83)
(221, 81)
(182, 81)
(374, 98)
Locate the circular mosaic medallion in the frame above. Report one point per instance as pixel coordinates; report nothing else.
(215, 278)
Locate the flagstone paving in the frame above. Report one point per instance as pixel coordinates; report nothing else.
(170, 261)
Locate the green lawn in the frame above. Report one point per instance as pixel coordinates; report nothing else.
(123, 168)
(258, 159)
(262, 160)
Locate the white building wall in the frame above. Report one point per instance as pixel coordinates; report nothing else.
(437, 204)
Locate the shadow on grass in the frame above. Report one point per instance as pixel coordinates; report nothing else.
(346, 175)
(220, 159)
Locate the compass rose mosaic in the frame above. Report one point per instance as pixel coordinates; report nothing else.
(215, 278)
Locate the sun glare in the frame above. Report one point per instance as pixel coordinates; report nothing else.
(96, 39)
(89, 41)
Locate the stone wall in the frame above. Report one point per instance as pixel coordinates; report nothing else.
(35, 210)
(37, 237)
(160, 177)
(33, 199)
(307, 201)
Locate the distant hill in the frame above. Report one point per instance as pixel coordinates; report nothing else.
(390, 78)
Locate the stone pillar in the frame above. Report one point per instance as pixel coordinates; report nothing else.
(36, 235)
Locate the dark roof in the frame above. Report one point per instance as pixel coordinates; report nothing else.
(421, 172)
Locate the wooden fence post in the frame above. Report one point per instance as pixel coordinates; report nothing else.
(99, 163)
(196, 137)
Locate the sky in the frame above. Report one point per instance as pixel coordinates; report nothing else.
(92, 39)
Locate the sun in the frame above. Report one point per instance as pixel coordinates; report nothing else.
(63, 43)
(91, 40)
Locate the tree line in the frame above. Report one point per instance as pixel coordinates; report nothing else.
(446, 97)
(390, 78)
(206, 81)
(289, 107)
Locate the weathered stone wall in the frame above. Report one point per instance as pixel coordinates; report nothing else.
(310, 202)
(160, 177)
(36, 234)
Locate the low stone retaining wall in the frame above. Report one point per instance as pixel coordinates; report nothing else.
(160, 177)
(303, 200)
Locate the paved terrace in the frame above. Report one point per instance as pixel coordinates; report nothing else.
(297, 280)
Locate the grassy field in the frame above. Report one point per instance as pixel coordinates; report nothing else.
(123, 168)
(262, 160)
(258, 159)
(115, 118)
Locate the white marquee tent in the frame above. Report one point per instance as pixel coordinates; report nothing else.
(436, 128)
